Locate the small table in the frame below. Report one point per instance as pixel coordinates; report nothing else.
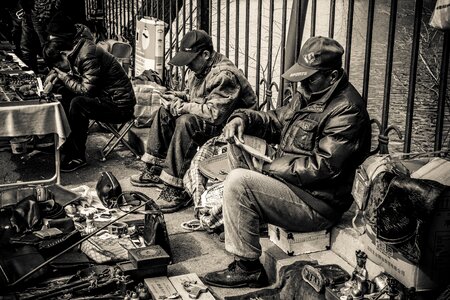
(35, 118)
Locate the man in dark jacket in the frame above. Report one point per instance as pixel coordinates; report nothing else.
(323, 134)
(215, 88)
(95, 86)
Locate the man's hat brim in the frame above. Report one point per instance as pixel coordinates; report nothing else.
(183, 58)
(298, 73)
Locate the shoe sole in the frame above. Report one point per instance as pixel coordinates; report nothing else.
(140, 184)
(74, 169)
(173, 209)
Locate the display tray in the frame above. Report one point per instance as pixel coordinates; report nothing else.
(27, 97)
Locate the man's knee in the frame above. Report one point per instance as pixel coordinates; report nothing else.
(185, 121)
(235, 184)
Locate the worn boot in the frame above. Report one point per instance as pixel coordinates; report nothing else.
(173, 199)
(148, 178)
(239, 274)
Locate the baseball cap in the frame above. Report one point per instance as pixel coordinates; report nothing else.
(318, 53)
(191, 45)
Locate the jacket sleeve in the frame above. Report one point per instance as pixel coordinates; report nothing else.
(223, 92)
(267, 125)
(89, 68)
(341, 138)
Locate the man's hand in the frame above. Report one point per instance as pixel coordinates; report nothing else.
(50, 77)
(175, 107)
(61, 74)
(234, 128)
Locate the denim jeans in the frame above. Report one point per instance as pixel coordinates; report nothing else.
(34, 35)
(79, 111)
(251, 198)
(173, 142)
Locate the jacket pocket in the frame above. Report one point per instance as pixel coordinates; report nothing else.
(306, 134)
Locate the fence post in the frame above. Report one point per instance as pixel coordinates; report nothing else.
(203, 15)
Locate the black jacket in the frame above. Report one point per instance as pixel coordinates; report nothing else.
(96, 73)
(320, 144)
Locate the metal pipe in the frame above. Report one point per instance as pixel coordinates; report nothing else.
(227, 28)
(348, 47)
(443, 73)
(218, 26)
(258, 49)
(413, 75)
(368, 52)
(170, 31)
(210, 16)
(313, 17)
(184, 17)
(332, 18)
(247, 38)
(120, 31)
(389, 59)
(283, 51)
(269, 56)
(191, 13)
(236, 33)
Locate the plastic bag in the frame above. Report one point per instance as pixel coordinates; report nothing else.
(440, 19)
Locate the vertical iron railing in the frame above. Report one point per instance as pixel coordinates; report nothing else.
(389, 61)
(264, 64)
(443, 74)
(413, 75)
(368, 52)
(332, 18)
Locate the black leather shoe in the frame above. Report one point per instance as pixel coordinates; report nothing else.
(234, 276)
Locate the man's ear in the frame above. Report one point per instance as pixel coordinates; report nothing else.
(206, 54)
(334, 76)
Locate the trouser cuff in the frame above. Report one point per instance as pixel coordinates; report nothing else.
(150, 159)
(171, 180)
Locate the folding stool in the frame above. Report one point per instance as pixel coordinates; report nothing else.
(119, 134)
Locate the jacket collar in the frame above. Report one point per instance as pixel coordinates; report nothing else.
(320, 104)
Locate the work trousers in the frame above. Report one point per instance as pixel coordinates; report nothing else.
(173, 142)
(251, 198)
(81, 109)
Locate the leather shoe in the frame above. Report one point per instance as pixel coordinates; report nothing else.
(235, 276)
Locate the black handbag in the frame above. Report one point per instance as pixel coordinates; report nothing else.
(108, 189)
(155, 230)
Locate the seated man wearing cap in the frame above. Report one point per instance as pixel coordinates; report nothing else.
(323, 134)
(215, 88)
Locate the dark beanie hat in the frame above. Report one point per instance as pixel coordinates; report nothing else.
(61, 26)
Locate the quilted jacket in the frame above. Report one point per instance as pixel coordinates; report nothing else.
(97, 73)
(320, 144)
(216, 94)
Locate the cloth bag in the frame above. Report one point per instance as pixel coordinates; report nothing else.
(440, 19)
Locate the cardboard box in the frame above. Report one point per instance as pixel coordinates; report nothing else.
(296, 243)
(160, 287)
(149, 46)
(434, 264)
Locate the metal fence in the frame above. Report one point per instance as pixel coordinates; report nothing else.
(254, 34)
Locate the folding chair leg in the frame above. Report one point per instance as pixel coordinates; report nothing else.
(118, 135)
